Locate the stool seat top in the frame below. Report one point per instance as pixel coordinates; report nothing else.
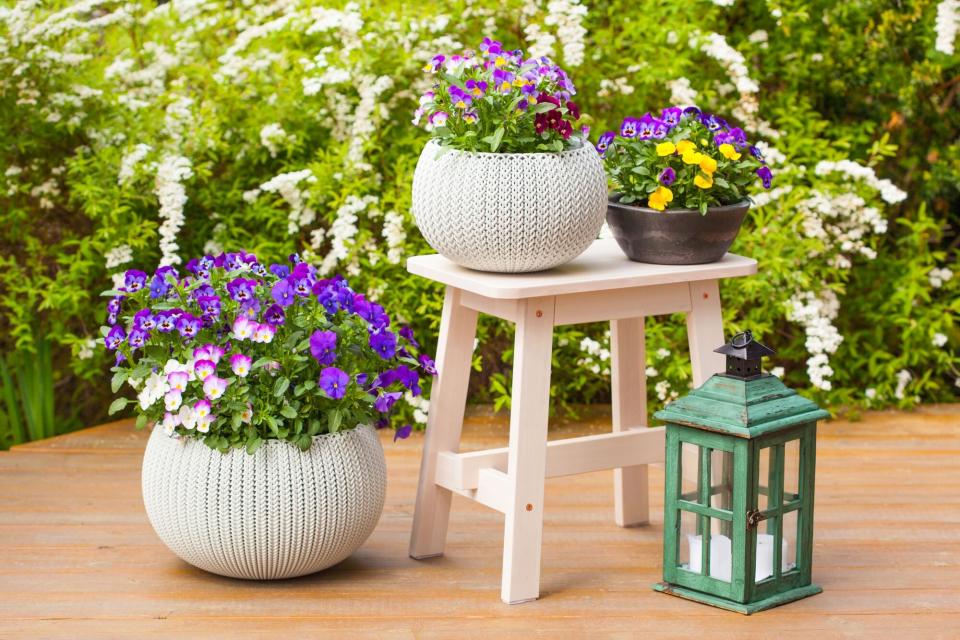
(603, 266)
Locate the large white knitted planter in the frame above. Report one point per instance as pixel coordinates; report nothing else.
(278, 513)
(509, 212)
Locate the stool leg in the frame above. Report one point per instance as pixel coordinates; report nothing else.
(458, 327)
(629, 391)
(526, 466)
(705, 330)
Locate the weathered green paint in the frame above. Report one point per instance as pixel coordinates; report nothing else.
(742, 418)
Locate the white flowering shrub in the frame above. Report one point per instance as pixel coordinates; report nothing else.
(136, 134)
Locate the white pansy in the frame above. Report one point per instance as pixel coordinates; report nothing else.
(154, 388)
(948, 21)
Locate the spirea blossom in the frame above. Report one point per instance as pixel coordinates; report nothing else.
(948, 21)
(890, 193)
(172, 171)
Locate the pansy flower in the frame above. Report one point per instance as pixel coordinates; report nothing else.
(470, 117)
(241, 289)
(604, 142)
(134, 280)
(188, 325)
(274, 314)
(323, 346)
(459, 98)
(204, 423)
(247, 414)
(476, 88)
(383, 342)
(210, 306)
(738, 136)
(137, 338)
(187, 417)
(409, 378)
(170, 422)
(385, 401)
(403, 432)
(204, 368)
(114, 337)
(439, 118)
(177, 380)
(646, 127)
(243, 328)
(280, 270)
(429, 366)
(407, 334)
(202, 408)
(667, 177)
(166, 321)
(502, 81)
(172, 400)
(489, 46)
(143, 319)
(214, 387)
(283, 293)
(158, 287)
(264, 333)
(756, 153)
(250, 308)
(240, 364)
(766, 176)
(435, 63)
(628, 129)
(671, 116)
(334, 382)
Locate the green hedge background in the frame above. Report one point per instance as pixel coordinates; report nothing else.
(132, 133)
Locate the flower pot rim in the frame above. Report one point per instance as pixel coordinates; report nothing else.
(614, 199)
(533, 154)
(270, 442)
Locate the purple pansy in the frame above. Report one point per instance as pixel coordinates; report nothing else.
(274, 314)
(166, 321)
(386, 400)
(671, 116)
(188, 325)
(459, 98)
(766, 176)
(383, 342)
(137, 338)
(143, 319)
(204, 368)
(241, 289)
(647, 127)
(604, 142)
(250, 308)
(134, 280)
(429, 366)
(333, 382)
(667, 176)
(403, 432)
(628, 129)
(283, 293)
(756, 153)
(323, 346)
(738, 136)
(214, 387)
(158, 287)
(476, 88)
(210, 306)
(407, 334)
(280, 270)
(115, 336)
(408, 377)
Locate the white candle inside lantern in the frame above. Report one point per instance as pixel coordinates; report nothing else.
(721, 558)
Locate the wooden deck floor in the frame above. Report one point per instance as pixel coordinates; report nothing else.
(78, 557)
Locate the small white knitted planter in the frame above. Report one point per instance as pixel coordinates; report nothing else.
(278, 513)
(509, 212)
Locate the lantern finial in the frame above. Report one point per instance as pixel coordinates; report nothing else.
(744, 355)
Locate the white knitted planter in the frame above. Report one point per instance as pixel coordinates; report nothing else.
(278, 513)
(509, 212)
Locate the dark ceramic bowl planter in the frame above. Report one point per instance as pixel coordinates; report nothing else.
(674, 236)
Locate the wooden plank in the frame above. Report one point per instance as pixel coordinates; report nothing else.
(571, 456)
(623, 304)
(602, 266)
(886, 549)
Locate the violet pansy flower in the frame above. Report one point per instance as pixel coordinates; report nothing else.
(264, 333)
(283, 293)
(274, 314)
(240, 364)
(214, 387)
(204, 368)
(386, 400)
(188, 325)
(114, 338)
(134, 280)
(334, 382)
(323, 346)
(383, 342)
(667, 176)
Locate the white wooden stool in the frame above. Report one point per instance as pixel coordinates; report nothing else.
(600, 285)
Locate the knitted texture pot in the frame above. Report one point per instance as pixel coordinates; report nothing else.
(278, 513)
(509, 212)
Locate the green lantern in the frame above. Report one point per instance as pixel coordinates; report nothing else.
(738, 509)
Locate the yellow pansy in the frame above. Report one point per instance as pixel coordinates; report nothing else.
(708, 165)
(704, 182)
(729, 152)
(499, 61)
(692, 157)
(685, 145)
(660, 198)
(665, 148)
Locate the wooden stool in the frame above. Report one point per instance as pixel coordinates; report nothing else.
(600, 285)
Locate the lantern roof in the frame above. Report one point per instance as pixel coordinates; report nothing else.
(746, 408)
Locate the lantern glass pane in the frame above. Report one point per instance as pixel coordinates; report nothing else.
(790, 533)
(791, 471)
(763, 501)
(688, 531)
(690, 471)
(721, 482)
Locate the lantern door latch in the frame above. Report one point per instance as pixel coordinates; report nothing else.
(755, 517)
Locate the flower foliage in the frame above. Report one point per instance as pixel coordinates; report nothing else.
(496, 100)
(234, 353)
(684, 159)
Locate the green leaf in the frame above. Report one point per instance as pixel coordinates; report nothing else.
(288, 412)
(117, 405)
(253, 444)
(496, 138)
(118, 379)
(334, 418)
(141, 421)
(281, 386)
(261, 362)
(304, 442)
(543, 107)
